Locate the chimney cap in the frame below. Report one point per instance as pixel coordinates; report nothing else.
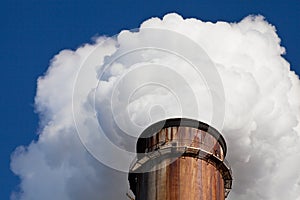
(182, 122)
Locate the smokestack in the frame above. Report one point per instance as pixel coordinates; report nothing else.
(180, 159)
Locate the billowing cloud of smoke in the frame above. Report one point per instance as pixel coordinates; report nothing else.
(260, 121)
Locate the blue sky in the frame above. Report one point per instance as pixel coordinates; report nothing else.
(32, 32)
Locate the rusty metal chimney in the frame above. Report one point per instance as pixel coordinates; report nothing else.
(180, 159)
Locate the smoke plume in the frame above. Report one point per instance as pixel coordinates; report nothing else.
(94, 102)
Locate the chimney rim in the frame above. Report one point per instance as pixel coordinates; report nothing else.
(182, 122)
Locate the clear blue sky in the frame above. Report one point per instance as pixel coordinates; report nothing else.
(32, 32)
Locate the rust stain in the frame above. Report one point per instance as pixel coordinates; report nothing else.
(186, 178)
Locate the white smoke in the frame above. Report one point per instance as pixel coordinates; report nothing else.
(261, 122)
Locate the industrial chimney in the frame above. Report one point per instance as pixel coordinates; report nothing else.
(180, 159)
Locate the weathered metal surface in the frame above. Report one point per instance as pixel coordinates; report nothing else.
(183, 136)
(179, 122)
(187, 177)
